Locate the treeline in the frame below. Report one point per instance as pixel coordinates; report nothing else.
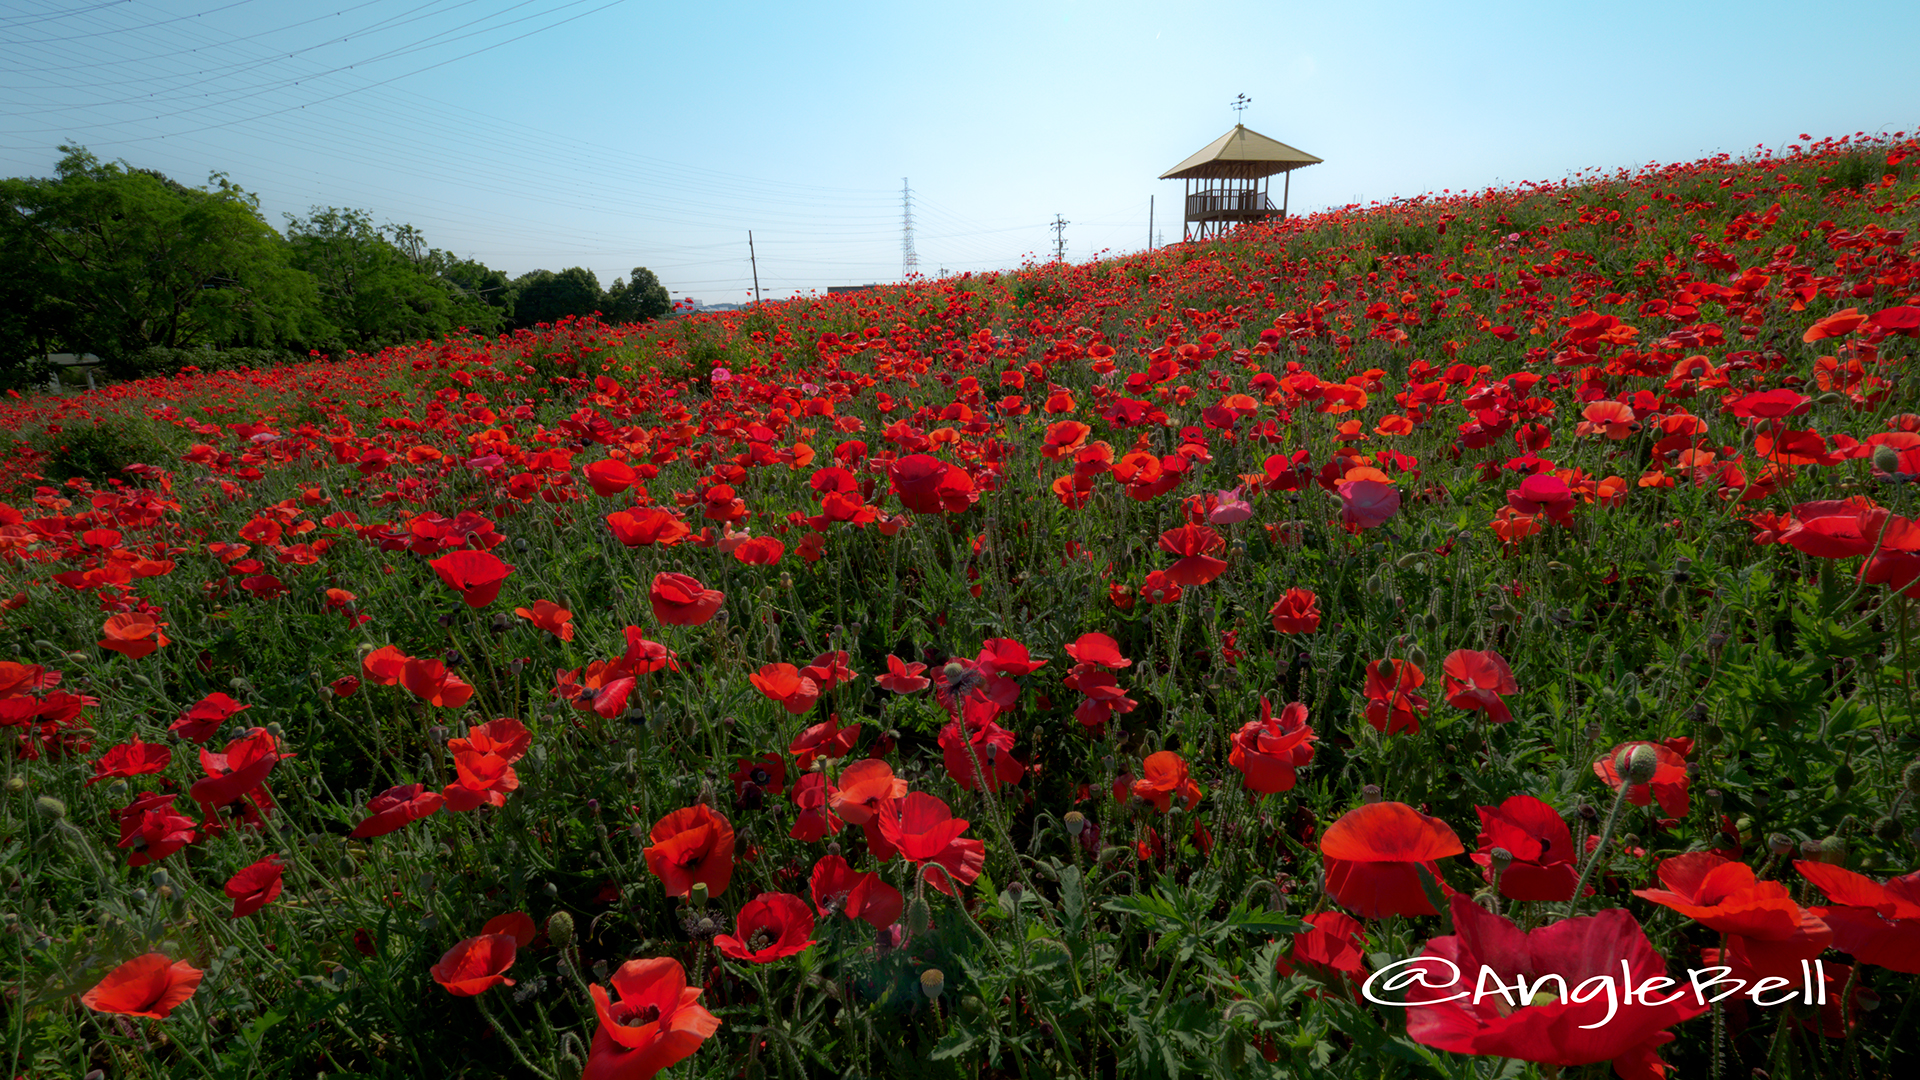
(151, 275)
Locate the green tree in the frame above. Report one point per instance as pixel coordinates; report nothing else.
(382, 287)
(639, 298)
(111, 259)
(543, 296)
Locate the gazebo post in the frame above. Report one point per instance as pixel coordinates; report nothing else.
(1286, 189)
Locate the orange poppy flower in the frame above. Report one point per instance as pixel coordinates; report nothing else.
(476, 965)
(865, 786)
(132, 634)
(1165, 779)
(150, 985)
(550, 617)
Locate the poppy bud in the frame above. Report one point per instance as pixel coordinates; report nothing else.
(1760, 800)
(1430, 621)
(51, 807)
(1076, 822)
(1418, 656)
(17, 784)
(1843, 778)
(560, 929)
(1831, 398)
(1886, 459)
(1713, 736)
(1911, 777)
(932, 982)
(1887, 830)
(1410, 560)
(1587, 812)
(1370, 793)
(1833, 850)
(919, 918)
(1640, 764)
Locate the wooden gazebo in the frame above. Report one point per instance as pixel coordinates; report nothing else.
(1228, 181)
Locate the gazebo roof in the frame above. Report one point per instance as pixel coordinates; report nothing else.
(1240, 155)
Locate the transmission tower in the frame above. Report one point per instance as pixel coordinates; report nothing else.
(909, 262)
(1059, 228)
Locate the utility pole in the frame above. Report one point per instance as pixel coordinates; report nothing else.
(755, 259)
(1059, 227)
(909, 260)
(1149, 223)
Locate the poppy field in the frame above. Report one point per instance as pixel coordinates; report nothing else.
(1169, 665)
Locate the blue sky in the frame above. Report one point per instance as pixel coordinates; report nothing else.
(620, 133)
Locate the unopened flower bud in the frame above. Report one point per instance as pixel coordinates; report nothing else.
(1886, 459)
(1833, 850)
(1641, 764)
(560, 929)
(1911, 777)
(51, 807)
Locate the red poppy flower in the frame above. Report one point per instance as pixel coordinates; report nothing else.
(432, 682)
(233, 774)
(1878, 922)
(927, 485)
(1098, 649)
(1560, 997)
(656, 1021)
(476, 965)
(396, 808)
(690, 845)
(865, 787)
(1391, 703)
(992, 745)
(550, 617)
(1268, 750)
(481, 779)
(772, 926)
(517, 925)
(923, 829)
(205, 716)
(784, 683)
(153, 829)
(903, 677)
(760, 551)
(150, 985)
(1477, 681)
(1669, 783)
(133, 758)
(1165, 779)
(826, 740)
(132, 634)
(255, 887)
(1194, 543)
(679, 600)
(813, 821)
(384, 665)
(1543, 867)
(1333, 944)
(642, 528)
(1296, 612)
(838, 888)
(345, 686)
(767, 773)
(475, 575)
(829, 670)
(1372, 854)
(610, 477)
(1158, 588)
(1766, 931)
(506, 737)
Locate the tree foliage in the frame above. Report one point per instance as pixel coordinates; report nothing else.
(381, 287)
(110, 259)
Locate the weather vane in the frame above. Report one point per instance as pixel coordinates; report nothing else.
(1240, 103)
